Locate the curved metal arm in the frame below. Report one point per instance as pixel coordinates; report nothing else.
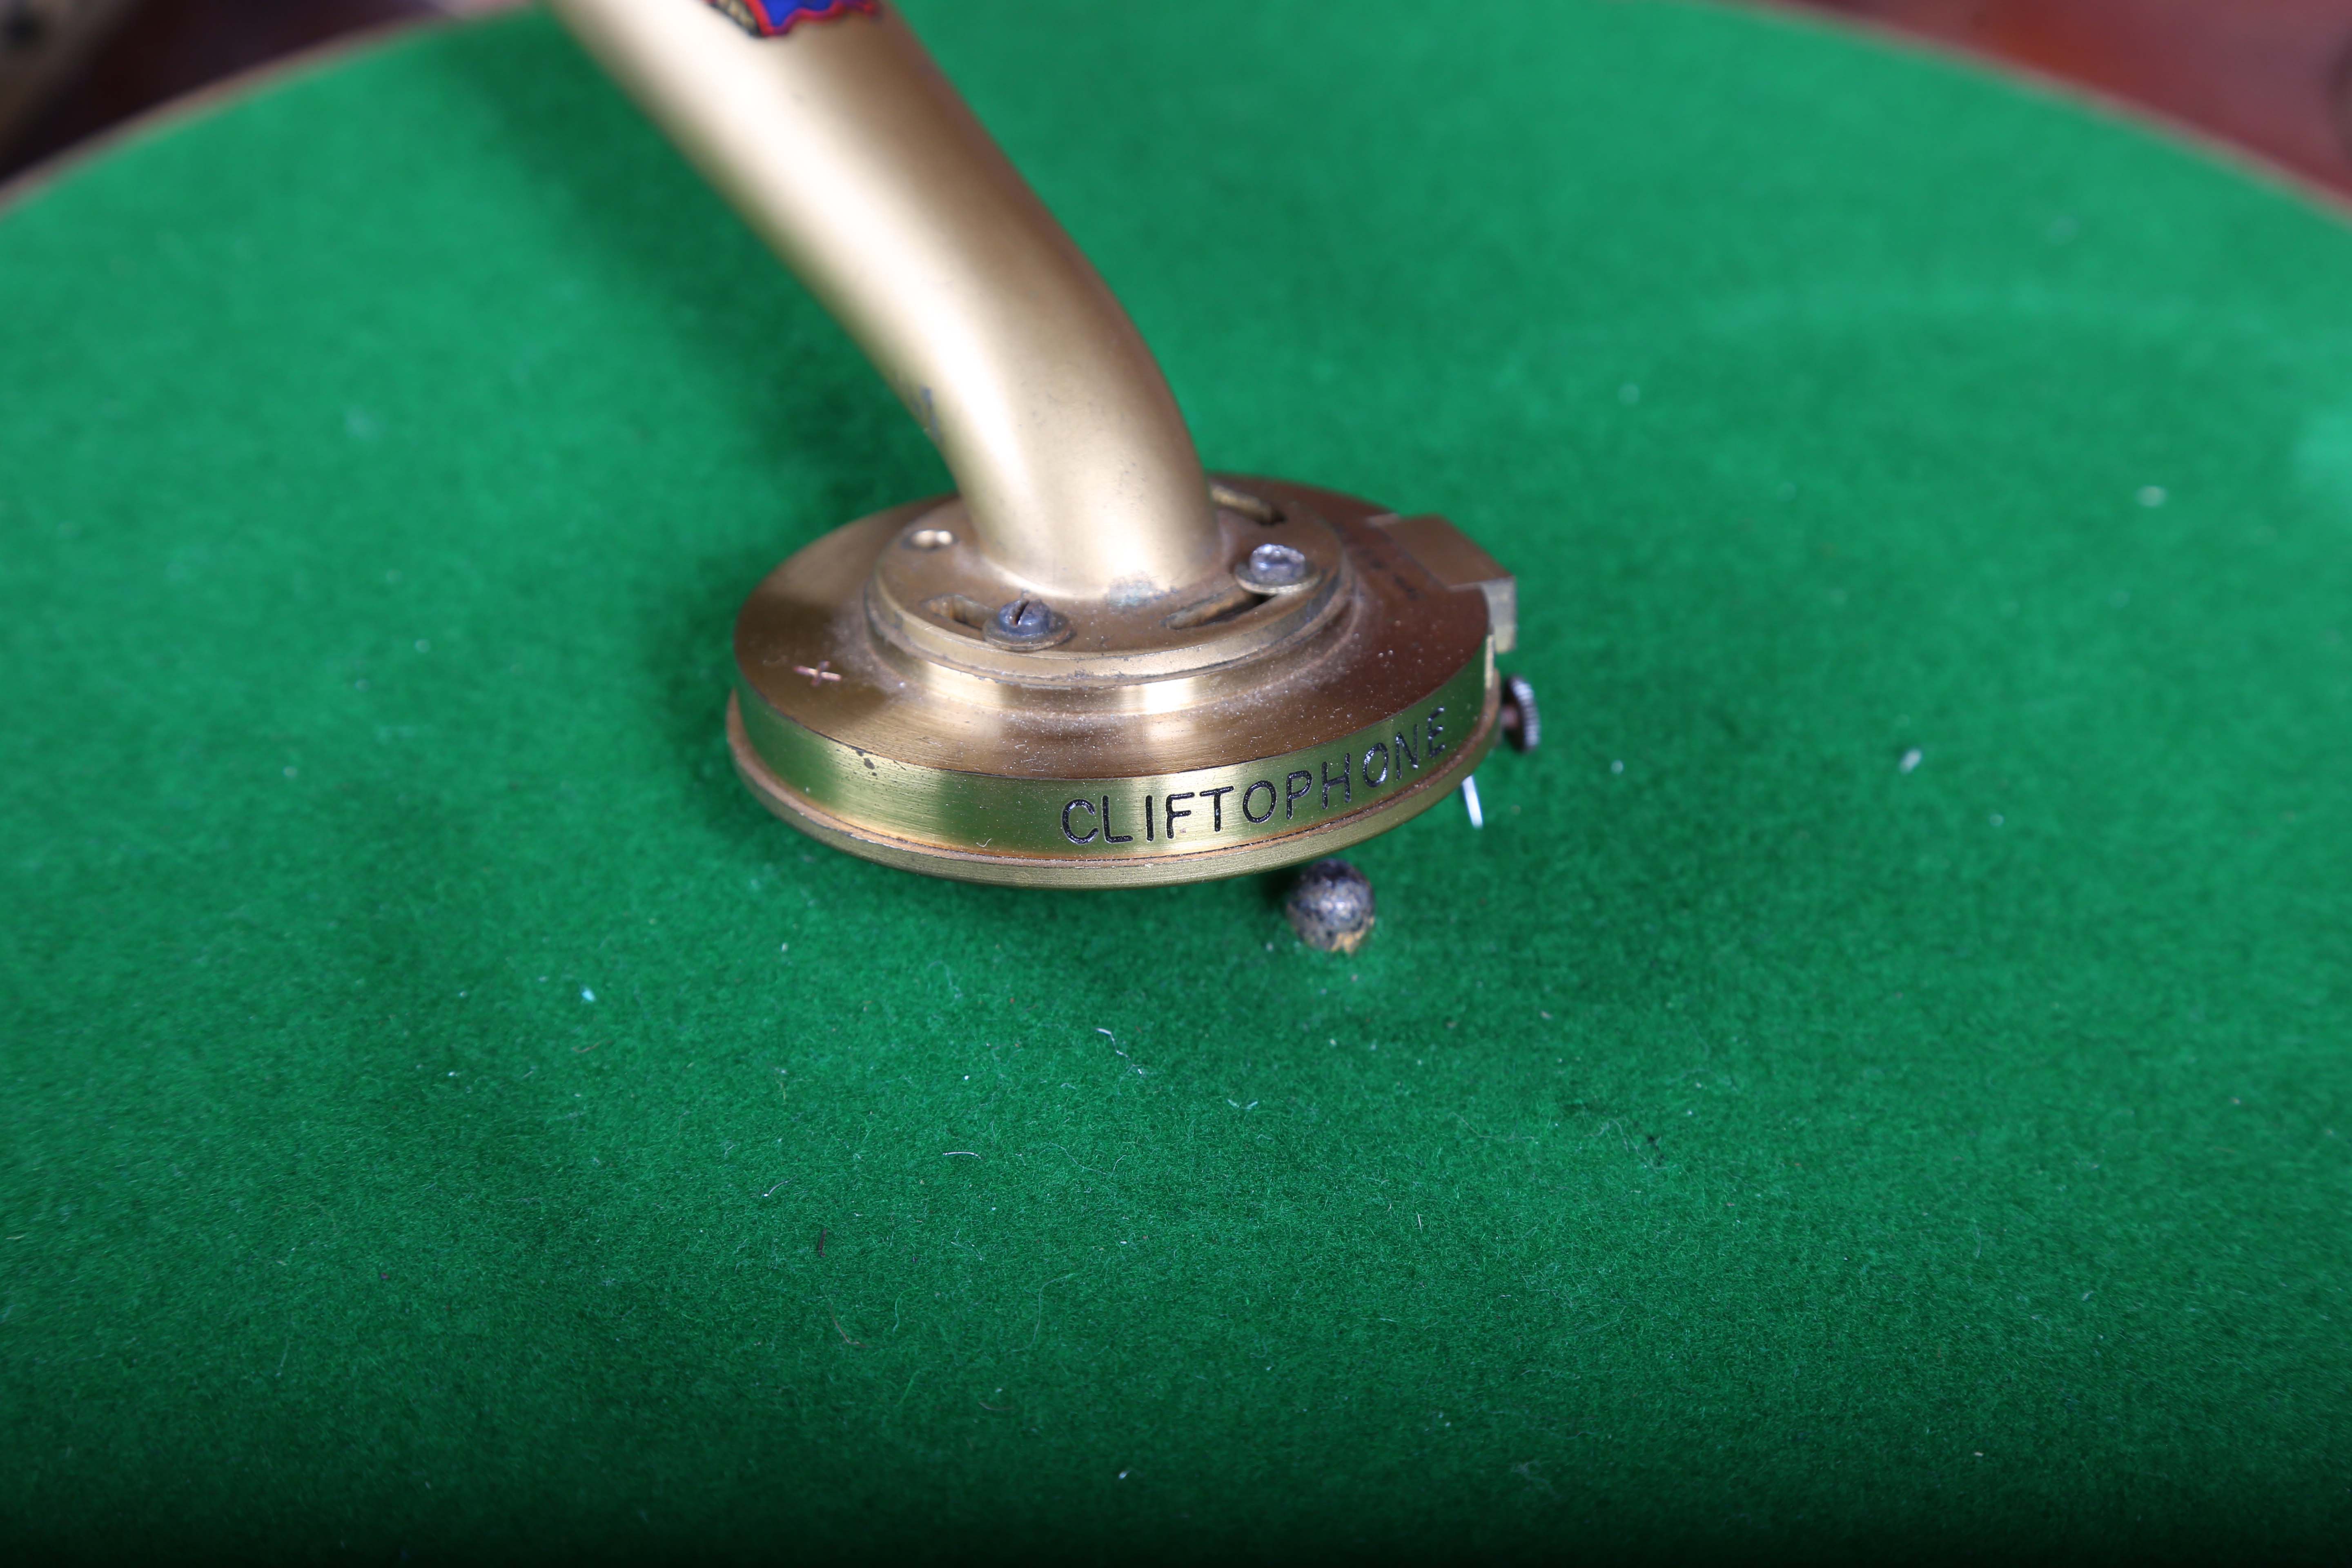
(854, 157)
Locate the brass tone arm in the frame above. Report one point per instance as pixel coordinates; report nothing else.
(856, 160)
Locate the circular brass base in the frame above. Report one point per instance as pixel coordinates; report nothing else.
(1152, 743)
(1050, 872)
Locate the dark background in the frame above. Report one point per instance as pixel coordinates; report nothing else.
(2270, 76)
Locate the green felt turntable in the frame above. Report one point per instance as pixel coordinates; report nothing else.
(1879, 1084)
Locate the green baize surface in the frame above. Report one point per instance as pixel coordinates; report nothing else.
(1877, 1086)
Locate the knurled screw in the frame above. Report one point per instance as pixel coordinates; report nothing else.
(1522, 726)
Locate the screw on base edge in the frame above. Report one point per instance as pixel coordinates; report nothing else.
(1522, 725)
(1331, 907)
(1277, 569)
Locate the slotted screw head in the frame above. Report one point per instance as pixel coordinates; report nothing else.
(1026, 623)
(1275, 569)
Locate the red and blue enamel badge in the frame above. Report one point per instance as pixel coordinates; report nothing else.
(773, 18)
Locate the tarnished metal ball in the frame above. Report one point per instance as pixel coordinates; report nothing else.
(1331, 907)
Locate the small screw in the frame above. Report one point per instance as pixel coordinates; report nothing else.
(1026, 623)
(1522, 726)
(1331, 907)
(1275, 569)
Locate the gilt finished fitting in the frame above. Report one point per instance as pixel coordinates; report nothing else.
(1095, 665)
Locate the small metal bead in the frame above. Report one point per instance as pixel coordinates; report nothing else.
(1331, 907)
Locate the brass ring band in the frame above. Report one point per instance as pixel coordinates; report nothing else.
(1123, 833)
